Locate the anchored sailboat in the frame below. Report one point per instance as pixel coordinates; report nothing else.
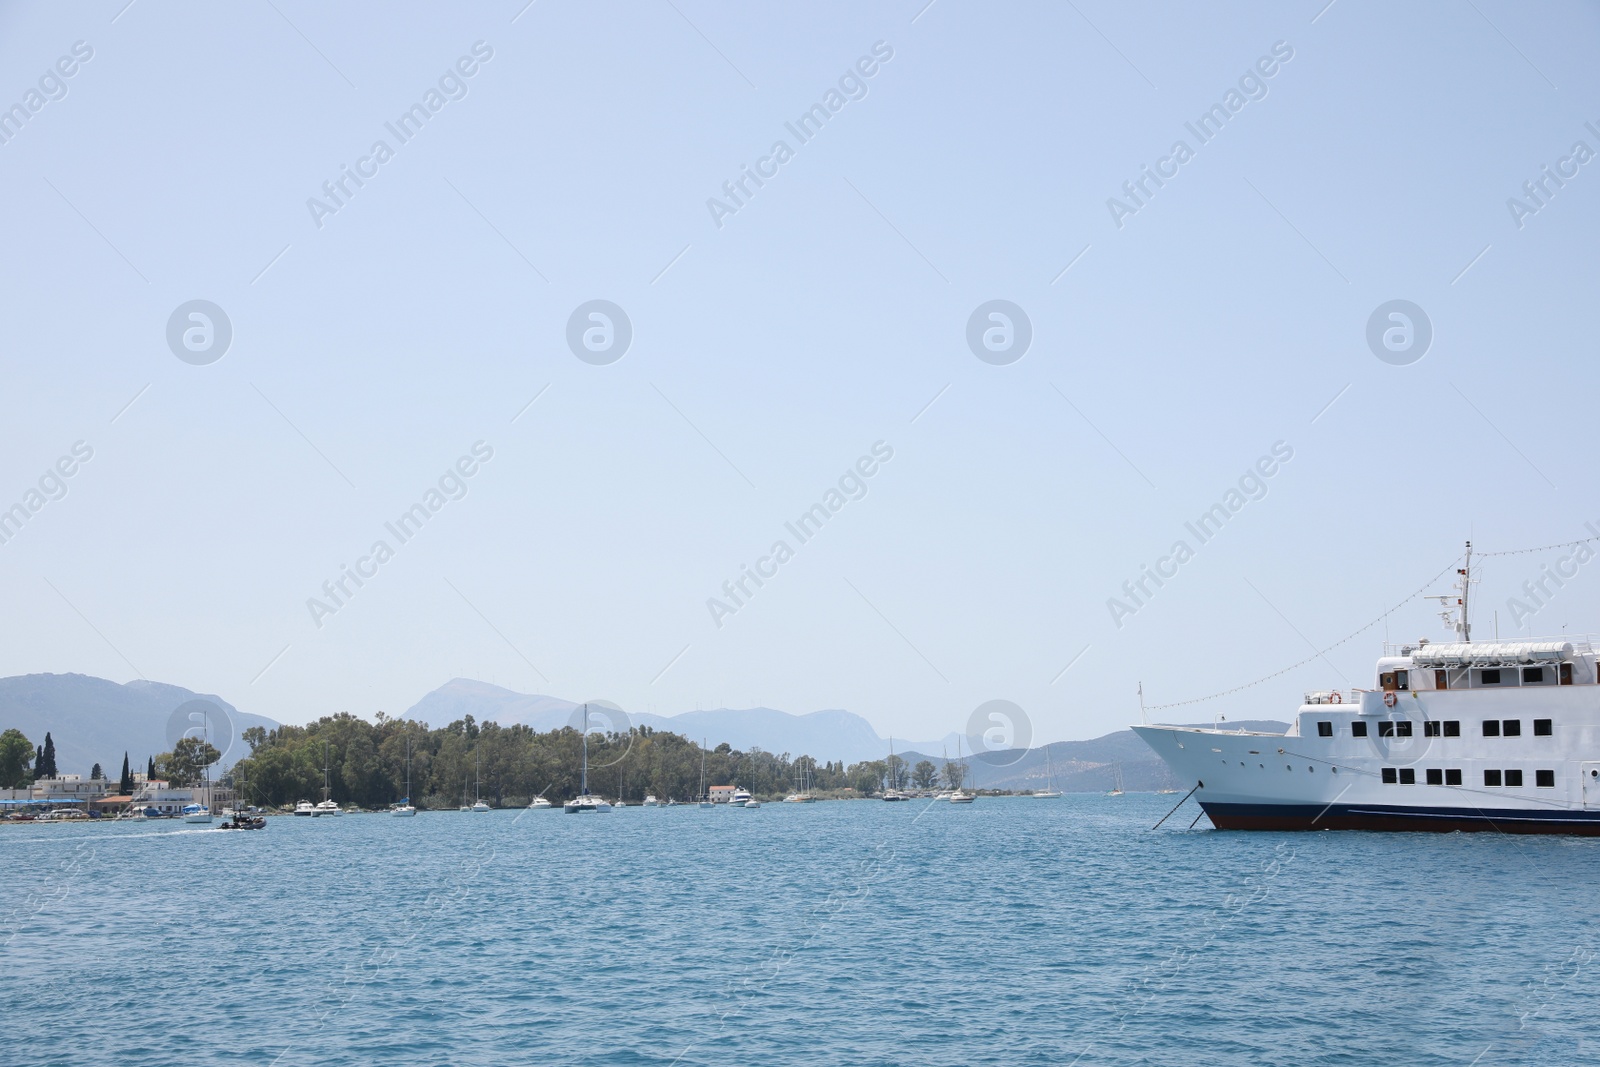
(1049, 792)
(404, 808)
(583, 803)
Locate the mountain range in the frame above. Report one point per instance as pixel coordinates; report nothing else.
(95, 720)
(92, 720)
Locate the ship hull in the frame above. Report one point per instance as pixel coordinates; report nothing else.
(1398, 818)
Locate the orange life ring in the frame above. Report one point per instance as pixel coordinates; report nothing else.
(1390, 700)
(1335, 698)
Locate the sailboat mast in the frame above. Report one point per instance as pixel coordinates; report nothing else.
(586, 750)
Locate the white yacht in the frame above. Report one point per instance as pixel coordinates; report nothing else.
(1458, 736)
(705, 798)
(1049, 792)
(477, 807)
(893, 793)
(541, 802)
(327, 805)
(959, 795)
(405, 809)
(651, 801)
(740, 798)
(305, 807)
(196, 813)
(584, 803)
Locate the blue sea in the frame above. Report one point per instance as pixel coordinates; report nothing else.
(1013, 932)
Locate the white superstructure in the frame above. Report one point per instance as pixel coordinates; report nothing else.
(1501, 735)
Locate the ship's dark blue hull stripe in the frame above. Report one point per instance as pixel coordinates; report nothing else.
(1385, 817)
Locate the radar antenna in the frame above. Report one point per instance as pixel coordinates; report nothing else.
(1457, 605)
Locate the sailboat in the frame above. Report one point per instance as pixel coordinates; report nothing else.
(1049, 792)
(326, 805)
(583, 803)
(404, 808)
(802, 783)
(478, 805)
(893, 792)
(959, 795)
(200, 813)
(1117, 792)
(704, 800)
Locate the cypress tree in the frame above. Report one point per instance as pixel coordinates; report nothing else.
(47, 758)
(125, 787)
(95, 774)
(150, 770)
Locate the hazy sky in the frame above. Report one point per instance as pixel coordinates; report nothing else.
(968, 153)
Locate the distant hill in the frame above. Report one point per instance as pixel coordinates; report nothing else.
(93, 720)
(827, 735)
(1086, 766)
(1081, 766)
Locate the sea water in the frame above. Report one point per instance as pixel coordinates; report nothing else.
(1013, 931)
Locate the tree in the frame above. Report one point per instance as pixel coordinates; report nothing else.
(96, 774)
(45, 767)
(150, 769)
(256, 736)
(16, 758)
(924, 774)
(188, 758)
(125, 787)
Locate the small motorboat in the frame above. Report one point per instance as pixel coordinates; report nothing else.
(305, 807)
(651, 801)
(541, 802)
(241, 821)
(324, 807)
(479, 806)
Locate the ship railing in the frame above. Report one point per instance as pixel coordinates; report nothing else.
(1584, 642)
(1351, 695)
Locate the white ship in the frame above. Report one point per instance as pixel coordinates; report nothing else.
(1502, 735)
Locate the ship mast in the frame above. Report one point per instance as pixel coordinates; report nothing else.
(1466, 593)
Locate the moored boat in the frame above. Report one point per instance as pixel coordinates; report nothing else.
(1462, 735)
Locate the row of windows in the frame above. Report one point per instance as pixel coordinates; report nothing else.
(1390, 681)
(1513, 728)
(1440, 728)
(1511, 779)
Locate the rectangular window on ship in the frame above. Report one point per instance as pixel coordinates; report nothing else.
(1514, 779)
(1491, 727)
(1541, 728)
(1511, 728)
(1491, 778)
(1544, 779)
(1358, 729)
(1452, 728)
(1435, 776)
(1324, 729)
(1452, 776)
(1389, 777)
(1408, 776)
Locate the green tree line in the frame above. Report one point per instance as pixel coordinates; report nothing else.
(509, 765)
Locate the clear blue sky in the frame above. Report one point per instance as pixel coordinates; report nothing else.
(768, 354)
